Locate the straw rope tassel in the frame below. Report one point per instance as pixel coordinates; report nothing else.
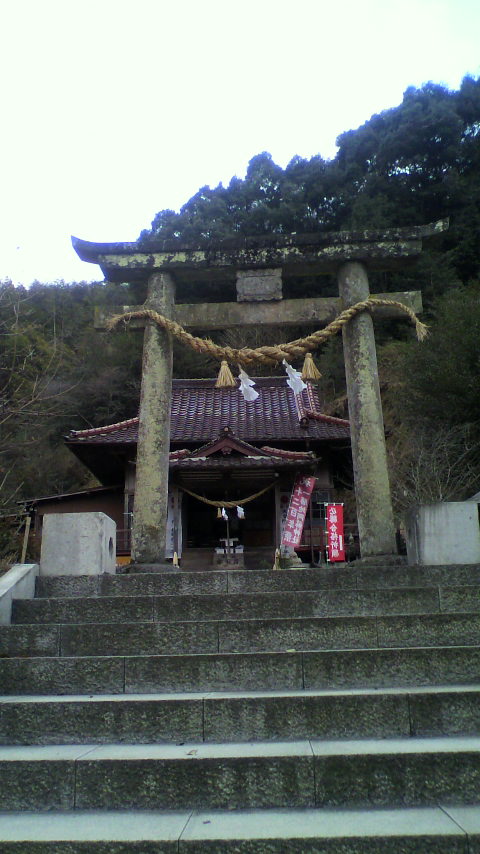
(225, 377)
(421, 329)
(310, 370)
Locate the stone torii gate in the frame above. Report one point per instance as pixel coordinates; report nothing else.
(258, 267)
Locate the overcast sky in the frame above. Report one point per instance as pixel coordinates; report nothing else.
(115, 109)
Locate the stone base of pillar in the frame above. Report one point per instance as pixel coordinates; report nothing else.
(380, 560)
(290, 560)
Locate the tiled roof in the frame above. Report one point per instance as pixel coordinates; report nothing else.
(200, 412)
(232, 463)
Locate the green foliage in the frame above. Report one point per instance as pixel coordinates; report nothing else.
(269, 200)
(444, 373)
(417, 163)
(431, 396)
(57, 373)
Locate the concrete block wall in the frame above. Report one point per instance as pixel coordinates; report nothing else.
(78, 544)
(443, 533)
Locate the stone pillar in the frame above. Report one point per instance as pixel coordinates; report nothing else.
(372, 487)
(151, 487)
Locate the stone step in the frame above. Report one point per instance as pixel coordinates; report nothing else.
(258, 581)
(226, 606)
(234, 717)
(267, 635)
(147, 584)
(356, 773)
(428, 830)
(326, 669)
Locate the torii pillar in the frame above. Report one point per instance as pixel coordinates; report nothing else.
(372, 487)
(347, 254)
(151, 497)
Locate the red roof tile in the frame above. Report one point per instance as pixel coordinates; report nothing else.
(200, 412)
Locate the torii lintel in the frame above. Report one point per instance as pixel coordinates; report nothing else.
(295, 254)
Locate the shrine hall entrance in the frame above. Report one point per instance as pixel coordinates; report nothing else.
(206, 530)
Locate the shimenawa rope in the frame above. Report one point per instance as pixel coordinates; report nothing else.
(266, 355)
(227, 504)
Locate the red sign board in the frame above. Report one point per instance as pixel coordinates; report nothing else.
(297, 510)
(335, 532)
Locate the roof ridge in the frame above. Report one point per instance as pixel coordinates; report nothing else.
(281, 452)
(188, 382)
(235, 440)
(180, 454)
(300, 405)
(311, 397)
(92, 431)
(329, 419)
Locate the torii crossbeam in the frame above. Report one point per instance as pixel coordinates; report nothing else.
(258, 267)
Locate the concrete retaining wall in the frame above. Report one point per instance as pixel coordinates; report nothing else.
(444, 533)
(17, 583)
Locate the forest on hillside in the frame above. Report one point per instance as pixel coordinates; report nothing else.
(410, 165)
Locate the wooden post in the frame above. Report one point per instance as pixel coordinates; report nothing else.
(372, 487)
(28, 522)
(151, 487)
(176, 519)
(278, 517)
(312, 556)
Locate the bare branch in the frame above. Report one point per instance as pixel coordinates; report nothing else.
(434, 465)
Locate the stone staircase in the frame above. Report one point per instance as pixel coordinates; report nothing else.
(256, 712)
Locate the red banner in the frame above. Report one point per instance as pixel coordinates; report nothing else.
(335, 532)
(297, 510)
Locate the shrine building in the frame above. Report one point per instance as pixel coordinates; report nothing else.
(222, 448)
